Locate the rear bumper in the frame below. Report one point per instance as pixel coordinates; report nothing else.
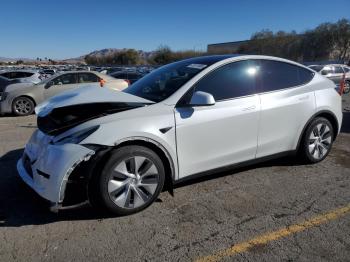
(46, 168)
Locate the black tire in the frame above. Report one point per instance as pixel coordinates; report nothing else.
(347, 87)
(22, 106)
(99, 194)
(310, 146)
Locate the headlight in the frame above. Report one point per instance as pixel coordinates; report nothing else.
(77, 137)
(3, 96)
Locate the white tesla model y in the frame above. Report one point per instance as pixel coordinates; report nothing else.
(196, 116)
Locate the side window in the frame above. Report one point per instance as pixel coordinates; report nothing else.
(327, 70)
(28, 74)
(65, 79)
(7, 75)
(338, 70)
(229, 81)
(346, 69)
(276, 75)
(88, 78)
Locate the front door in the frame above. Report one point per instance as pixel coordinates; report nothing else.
(210, 137)
(60, 84)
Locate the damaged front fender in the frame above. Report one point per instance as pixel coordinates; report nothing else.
(49, 168)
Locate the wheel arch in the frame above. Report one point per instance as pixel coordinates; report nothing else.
(26, 96)
(330, 116)
(160, 150)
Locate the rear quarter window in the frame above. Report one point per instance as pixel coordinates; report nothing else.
(277, 75)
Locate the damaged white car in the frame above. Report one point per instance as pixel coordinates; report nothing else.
(119, 150)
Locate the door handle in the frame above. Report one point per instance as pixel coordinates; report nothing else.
(249, 108)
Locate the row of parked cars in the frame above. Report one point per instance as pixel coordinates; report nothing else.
(22, 90)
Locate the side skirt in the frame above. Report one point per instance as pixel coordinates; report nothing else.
(234, 166)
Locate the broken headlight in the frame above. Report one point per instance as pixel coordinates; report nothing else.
(76, 137)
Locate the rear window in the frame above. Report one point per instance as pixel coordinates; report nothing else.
(87, 78)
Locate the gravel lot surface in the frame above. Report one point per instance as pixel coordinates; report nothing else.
(206, 215)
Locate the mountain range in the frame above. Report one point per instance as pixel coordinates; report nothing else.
(102, 52)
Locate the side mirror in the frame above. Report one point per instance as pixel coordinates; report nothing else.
(200, 98)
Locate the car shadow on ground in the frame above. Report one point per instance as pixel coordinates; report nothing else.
(346, 123)
(20, 205)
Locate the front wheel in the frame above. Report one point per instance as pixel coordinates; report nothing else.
(131, 180)
(22, 106)
(317, 140)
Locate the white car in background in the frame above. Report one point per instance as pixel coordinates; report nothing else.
(24, 76)
(192, 117)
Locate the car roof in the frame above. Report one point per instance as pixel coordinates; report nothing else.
(212, 59)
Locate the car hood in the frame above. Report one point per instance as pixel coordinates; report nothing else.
(87, 95)
(71, 108)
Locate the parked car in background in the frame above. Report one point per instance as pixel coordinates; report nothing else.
(335, 73)
(4, 82)
(190, 117)
(48, 71)
(130, 77)
(24, 76)
(21, 99)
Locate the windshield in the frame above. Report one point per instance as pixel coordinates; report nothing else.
(163, 82)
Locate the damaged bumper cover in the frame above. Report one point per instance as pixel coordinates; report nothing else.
(46, 167)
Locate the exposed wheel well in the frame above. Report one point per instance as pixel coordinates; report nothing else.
(168, 185)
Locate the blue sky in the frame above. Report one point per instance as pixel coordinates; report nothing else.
(65, 29)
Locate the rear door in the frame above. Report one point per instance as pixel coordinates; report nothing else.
(88, 79)
(287, 103)
(60, 84)
(210, 137)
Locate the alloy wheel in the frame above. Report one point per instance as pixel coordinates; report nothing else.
(133, 182)
(22, 106)
(320, 140)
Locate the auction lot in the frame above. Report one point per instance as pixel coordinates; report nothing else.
(276, 211)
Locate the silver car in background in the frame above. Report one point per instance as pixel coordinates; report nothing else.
(335, 72)
(21, 99)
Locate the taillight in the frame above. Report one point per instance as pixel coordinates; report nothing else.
(128, 81)
(102, 82)
(342, 85)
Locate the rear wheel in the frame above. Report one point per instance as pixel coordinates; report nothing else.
(317, 140)
(347, 87)
(131, 180)
(22, 106)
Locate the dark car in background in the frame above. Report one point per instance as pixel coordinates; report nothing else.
(335, 72)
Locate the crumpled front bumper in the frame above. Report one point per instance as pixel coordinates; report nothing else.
(46, 167)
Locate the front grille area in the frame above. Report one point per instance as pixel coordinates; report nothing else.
(27, 165)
